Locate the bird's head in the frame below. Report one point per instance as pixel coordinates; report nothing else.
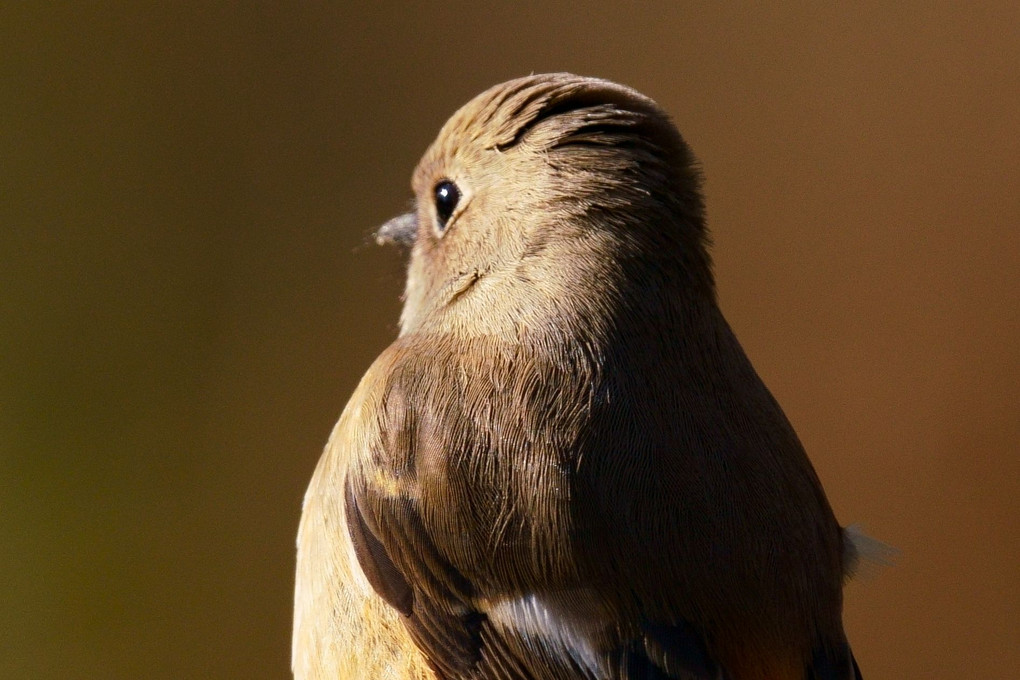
(542, 197)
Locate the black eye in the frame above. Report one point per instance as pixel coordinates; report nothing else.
(447, 196)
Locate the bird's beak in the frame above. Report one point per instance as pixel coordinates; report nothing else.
(401, 230)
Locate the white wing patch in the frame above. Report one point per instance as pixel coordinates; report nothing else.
(542, 623)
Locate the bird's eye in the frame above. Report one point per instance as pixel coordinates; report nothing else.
(447, 196)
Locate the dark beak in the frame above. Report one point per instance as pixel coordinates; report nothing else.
(401, 231)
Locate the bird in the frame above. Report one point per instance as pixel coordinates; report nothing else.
(565, 465)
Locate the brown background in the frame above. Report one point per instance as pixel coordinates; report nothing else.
(188, 295)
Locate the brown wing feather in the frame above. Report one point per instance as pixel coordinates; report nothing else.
(377, 565)
(476, 459)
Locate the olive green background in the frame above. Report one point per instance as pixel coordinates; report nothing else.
(188, 293)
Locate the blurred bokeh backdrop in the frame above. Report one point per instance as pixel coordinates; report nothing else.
(188, 293)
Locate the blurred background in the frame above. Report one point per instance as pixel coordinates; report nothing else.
(188, 293)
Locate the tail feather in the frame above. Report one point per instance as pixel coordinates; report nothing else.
(864, 556)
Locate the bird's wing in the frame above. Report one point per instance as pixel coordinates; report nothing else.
(466, 632)
(426, 522)
(459, 514)
(404, 566)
